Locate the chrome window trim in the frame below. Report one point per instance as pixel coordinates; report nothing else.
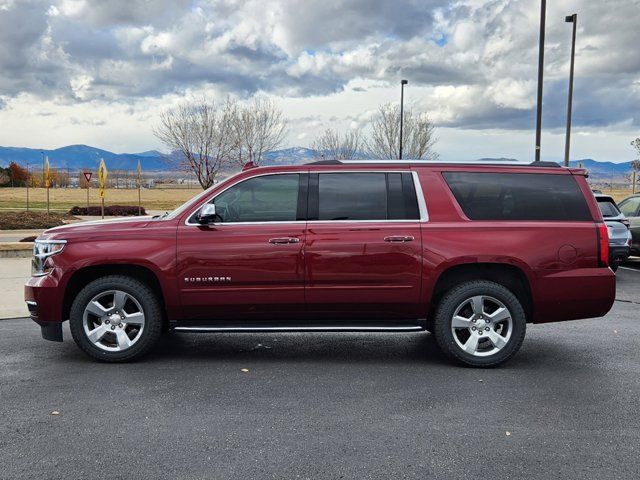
(422, 206)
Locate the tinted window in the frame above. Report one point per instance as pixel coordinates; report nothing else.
(352, 196)
(518, 196)
(630, 207)
(607, 207)
(270, 198)
(402, 202)
(364, 196)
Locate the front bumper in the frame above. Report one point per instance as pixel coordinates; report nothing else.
(44, 299)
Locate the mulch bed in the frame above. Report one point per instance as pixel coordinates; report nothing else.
(32, 220)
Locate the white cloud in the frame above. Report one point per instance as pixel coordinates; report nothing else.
(471, 63)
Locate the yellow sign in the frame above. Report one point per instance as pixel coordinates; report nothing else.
(102, 177)
(47, 173)
(139, 170)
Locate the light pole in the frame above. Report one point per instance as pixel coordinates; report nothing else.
(567, 147)
(402, 84)
(543, 20)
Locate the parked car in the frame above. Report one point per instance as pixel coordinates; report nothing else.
(619, 233)
(470, 252)
(630, 207)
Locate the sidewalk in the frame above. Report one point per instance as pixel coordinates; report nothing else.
(14, 272)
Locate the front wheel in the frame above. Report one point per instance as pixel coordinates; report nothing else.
(480, 323)
(116, 318)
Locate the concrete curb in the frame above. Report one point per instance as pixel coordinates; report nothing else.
(16, 249)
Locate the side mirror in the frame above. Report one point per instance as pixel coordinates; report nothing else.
(207, 214)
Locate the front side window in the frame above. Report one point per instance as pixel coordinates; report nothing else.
(630, 207)
(269, 198)
(518, 196)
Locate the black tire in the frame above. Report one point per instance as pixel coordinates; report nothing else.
(454, 298)
(614, 266)
(147, 299)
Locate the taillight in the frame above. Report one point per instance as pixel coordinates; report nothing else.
(603, 245)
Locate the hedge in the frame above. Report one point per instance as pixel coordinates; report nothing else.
(111, 210)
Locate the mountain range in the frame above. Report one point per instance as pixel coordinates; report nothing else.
(77, 157)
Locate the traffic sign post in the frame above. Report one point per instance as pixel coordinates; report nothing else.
(102, 180)
(139, 182)
(87, 177)
(46, 177)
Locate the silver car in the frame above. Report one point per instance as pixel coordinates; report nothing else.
(619, 233)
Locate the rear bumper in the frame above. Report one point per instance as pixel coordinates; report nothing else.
(574, 294)
(618, 253)
(44, 300)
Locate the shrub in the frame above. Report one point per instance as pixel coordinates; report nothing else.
(111, 210)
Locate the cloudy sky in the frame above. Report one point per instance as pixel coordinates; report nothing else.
(99, 72)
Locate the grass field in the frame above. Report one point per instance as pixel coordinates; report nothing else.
(62, 199)
(617, 194)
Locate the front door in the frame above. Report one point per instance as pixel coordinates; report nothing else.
(363, 245)
(249, 263)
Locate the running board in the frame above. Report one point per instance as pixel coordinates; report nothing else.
(297, 328)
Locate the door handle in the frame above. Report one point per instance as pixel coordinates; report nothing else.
(283, 241)
(399, 238)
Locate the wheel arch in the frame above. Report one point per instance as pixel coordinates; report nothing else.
(507, 275)
(81, 277)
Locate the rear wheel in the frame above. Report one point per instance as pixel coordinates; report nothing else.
(116, 318)
(480, 323)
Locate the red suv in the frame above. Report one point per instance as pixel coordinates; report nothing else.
(468, 252)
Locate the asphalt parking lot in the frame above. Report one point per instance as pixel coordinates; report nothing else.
(327, 406)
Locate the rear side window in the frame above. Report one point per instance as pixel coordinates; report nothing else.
(518, 196)
(608, 208)
(363, 196)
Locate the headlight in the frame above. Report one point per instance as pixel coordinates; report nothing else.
(43, 249)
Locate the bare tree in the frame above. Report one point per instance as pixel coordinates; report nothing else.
(201, 132)
(331, 145)
(258, 128)
(636, 144)
(418, 135)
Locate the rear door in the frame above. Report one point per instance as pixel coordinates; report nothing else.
(363, 245)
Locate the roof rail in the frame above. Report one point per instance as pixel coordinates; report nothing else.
(545, 164)
(325, 162)
(439, 162)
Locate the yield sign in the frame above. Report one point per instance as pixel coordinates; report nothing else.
(87, 176)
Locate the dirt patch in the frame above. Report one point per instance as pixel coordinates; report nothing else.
(32, 220)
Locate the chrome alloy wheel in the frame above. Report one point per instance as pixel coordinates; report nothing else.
(113, 320)
(481, 326)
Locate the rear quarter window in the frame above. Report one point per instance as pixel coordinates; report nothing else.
(518, 196)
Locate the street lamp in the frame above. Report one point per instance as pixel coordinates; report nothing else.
(567, 147)
(543, 20)
(402, 84)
